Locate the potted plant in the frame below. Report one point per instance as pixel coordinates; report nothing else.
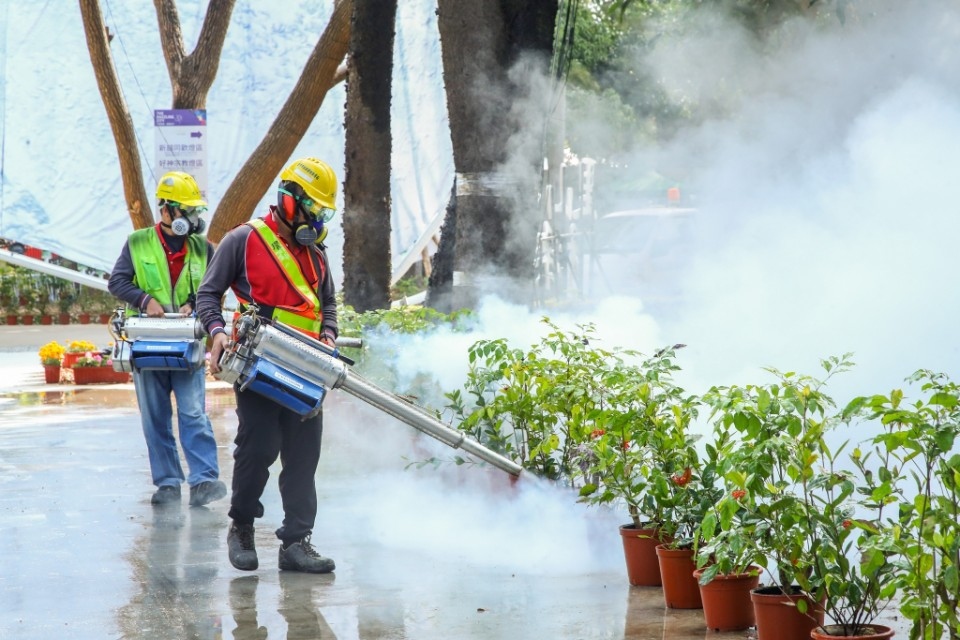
(639, 444)
(8, 295)
(77, 349)
(50, 355)
(66, 296)
(825, 542)
(533, 405)
(914, 461)
(96, 368)
(728, 557)
(689, 496)
(29, 309)
(779, 446)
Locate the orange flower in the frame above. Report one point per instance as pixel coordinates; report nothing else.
(681, 480)
(596, 433)
(846, 524)
(739, 494)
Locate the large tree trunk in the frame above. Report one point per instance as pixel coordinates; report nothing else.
(120, 121)
(366, 189)
(192, 75)
(495, 59)
(262, 168)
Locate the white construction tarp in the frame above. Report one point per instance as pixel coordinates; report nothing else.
(61, 189)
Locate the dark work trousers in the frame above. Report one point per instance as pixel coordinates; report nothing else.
(265, 431)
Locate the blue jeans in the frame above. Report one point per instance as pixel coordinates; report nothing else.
(195, 430)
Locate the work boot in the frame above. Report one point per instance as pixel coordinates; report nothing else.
(205, 492)
(166, 494)
(243, 552)
(301, 556)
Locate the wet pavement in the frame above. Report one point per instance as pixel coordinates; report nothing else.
(431, 552)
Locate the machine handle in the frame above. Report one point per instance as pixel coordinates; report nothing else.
(330, 351)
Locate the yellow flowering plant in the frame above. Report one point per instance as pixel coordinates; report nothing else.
(81, 346)
(51, 353)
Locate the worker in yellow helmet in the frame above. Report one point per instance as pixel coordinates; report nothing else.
(277, 262)
(158, 272)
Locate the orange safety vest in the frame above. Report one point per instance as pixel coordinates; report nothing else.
(307, 317)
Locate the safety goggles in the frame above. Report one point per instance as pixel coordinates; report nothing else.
(313, 207)
(188, 211)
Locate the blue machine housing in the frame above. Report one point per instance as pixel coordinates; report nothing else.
(183, 355)
(284, 387)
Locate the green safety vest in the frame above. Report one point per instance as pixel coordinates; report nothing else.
(152, 272)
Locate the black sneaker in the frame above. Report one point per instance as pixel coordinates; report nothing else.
(166, 494)
(301, 556)
(205, 492)
(242, 551)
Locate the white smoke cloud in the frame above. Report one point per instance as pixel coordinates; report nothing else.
(826, 223)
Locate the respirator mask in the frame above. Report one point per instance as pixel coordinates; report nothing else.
(189, 220)
(310, 229)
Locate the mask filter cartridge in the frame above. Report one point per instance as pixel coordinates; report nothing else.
(305, 235)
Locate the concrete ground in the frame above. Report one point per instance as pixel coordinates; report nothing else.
(422, 551)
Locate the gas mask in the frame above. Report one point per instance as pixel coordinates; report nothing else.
(188, 222)
(303, 215)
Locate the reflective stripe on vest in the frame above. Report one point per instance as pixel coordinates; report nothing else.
(307, 317)
(152, 272)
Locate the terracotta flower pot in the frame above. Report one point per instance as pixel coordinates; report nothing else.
(51, 373)
(640, 553)
(680, 588)
(778, 617)
(99, 375)
(726, 600)
(831, 631)
(70, 359)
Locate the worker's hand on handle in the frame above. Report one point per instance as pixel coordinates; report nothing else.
(154, 309)
(186, 309)
(217, 345)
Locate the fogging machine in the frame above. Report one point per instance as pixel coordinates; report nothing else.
(296, 371)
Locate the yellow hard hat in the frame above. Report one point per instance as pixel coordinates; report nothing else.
(317, 179)
(180, 187)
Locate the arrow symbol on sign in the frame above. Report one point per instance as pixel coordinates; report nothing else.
(196, 134)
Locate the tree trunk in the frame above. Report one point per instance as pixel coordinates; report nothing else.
(495, 57)
(192, 75)
(366, 188)
(262, 168)
(440, 284)
(121, 123)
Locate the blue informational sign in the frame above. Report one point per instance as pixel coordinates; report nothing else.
(181, 143)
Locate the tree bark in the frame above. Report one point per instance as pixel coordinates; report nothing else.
(495, 56)
(191, 76)
(121, 123)
(262, 168)
(366, 189)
